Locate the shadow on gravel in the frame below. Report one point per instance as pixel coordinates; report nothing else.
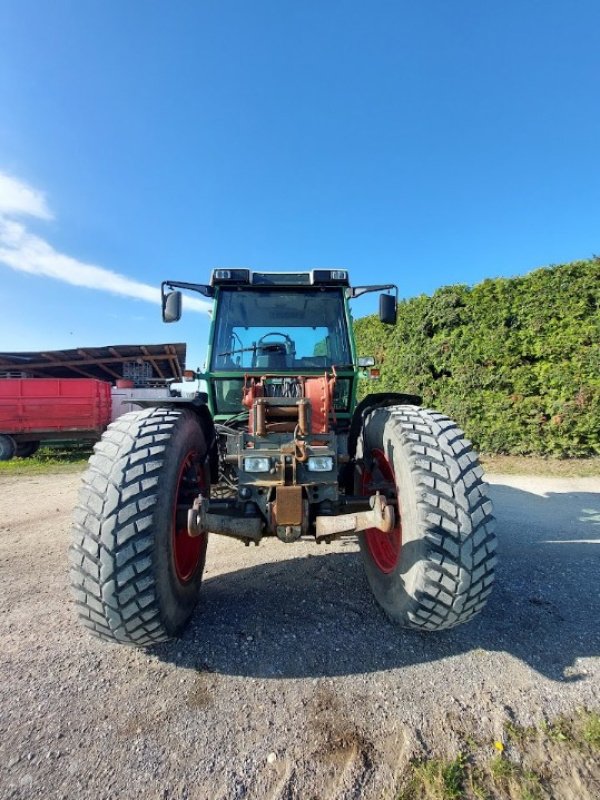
(315, 616)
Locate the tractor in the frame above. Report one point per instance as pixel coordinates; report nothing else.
(279, 446)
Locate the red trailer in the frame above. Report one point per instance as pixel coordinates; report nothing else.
(37, 409)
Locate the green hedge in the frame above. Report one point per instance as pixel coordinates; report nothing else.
(515, 361)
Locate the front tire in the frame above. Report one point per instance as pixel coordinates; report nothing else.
(436, 569)
(136, 572)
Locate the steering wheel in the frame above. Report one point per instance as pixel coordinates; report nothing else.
(290, 347)
(235, 336)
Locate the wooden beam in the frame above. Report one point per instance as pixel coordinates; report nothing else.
(52, 358)
(78, 371)
(56, 362)
(65, 365)
(173, 361)
(81, 362)
(100, 364)
(153, 361)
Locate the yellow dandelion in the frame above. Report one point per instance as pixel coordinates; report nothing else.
(499, 746)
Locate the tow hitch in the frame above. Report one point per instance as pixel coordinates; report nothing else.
(381, 515)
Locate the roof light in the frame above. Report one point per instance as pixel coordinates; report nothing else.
(330, 276)
(230, 276)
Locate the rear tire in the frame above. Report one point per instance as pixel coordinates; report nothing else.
(436, 569)
(27, 449)
(136, 572)
(8, 447)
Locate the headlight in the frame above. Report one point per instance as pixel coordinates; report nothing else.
(256, 464)
(320, 463)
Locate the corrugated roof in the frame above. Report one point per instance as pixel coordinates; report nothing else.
(145, 363)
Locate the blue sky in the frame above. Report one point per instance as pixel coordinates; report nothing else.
(424, 143)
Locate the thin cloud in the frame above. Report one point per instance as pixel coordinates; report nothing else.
(26, 252)
(17, 198)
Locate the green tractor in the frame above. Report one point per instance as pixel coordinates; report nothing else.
(278, 446)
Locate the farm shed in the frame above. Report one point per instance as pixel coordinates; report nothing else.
(144, 364)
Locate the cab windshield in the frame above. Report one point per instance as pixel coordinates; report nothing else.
(277, 329)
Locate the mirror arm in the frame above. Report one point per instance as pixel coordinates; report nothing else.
(357, 291)
(207, 291)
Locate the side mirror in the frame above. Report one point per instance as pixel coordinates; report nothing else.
(387, 309)
(171, 310)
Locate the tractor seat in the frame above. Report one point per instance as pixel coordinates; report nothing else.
(274, 356)
(272, 361)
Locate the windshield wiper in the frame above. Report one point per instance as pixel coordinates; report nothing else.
(273, 347)
(239, 350)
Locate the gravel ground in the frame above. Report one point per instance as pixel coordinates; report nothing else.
(290, 682)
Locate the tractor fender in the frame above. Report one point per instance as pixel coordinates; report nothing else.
(199, 406)
(369, 404)
(361, 412)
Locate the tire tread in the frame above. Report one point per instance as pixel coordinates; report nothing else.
(111, 552)
(455, 517)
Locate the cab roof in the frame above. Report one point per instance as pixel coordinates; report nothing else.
(247, 277)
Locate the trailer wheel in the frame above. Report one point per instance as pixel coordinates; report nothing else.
(136, 572)
(436, 568)
(27, 449)
(8, 447)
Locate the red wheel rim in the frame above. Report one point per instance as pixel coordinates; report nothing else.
(186, 549)
(383, 547)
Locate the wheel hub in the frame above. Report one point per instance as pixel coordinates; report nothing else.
(186, 549)
(383, 547)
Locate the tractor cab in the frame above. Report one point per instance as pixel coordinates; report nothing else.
(277, 337)
(276, 328)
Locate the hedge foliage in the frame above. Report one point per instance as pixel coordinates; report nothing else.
(515, 361)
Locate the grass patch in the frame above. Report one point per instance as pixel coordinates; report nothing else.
(536, 465)
(558, 731)
(513, 780)
(516, 734)
(579, 731)
(49, 460)
(588, 724)
(530, 763)
(435, 779)
(501, 769)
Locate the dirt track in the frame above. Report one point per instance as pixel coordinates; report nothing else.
(290, 682)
